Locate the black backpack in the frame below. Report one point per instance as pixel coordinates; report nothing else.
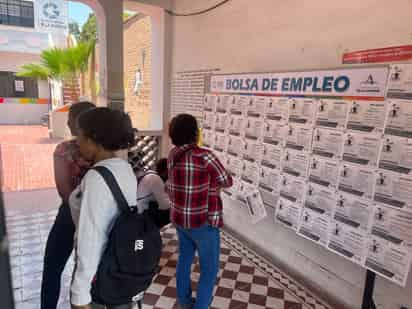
(132, 255)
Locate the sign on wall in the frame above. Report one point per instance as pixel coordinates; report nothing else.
(337, 171)
(51, 15)
(359, 82)
(396, 53)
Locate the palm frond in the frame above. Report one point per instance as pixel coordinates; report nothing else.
(34, 70)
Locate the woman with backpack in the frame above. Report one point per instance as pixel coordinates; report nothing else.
(102, 132)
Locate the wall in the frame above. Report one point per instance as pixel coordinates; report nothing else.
(138, 40)
(22, 113)
(271, 36)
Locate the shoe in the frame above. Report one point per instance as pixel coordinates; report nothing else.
(187, 306)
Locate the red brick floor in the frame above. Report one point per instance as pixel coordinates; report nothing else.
(26, 158)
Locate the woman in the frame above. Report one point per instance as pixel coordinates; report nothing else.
(69, 168)
(152, 194)
(102, 132)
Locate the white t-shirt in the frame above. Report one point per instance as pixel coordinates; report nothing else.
(94, 211)
(151, 188)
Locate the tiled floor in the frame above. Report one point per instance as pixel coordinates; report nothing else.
(245, 279)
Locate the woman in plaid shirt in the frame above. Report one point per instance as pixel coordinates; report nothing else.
(195, 179)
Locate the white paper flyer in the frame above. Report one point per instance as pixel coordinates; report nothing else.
(357, 180)
(328, 143)
(324, 172)
(388, 260)
(288, 213)
(393, 225)
(347, 242)
(299, 138)
(396, 154)
(272, 156)
(293, 188)
(353, 211)
(277, 109)
(367, 116)
(394, 190)
(274, 132)
(332, 114)
(314, 226)
(399, 121)
(257, 210)
(295, 163)
(303, 111)
(320, 199)
(362, 148)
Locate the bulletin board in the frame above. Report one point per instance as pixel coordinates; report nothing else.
(330, 151)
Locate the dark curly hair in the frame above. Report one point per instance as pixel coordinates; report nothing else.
(183, 130)
(112, 129)
(77, 108)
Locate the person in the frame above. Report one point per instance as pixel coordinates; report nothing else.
(102, 132)
(161, 169)
(195, 179)
(151, 187)
(69, 168)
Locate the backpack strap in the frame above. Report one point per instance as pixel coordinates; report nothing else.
(114, 187)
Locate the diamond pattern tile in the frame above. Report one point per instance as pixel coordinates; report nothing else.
(245, 280)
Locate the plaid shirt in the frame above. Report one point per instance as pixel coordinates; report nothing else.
(195, 177)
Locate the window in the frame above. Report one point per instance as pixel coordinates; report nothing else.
(17, 13)
(17, 87)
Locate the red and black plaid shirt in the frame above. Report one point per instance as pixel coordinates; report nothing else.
(195, 177)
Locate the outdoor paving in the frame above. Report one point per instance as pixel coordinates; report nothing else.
(26, 158)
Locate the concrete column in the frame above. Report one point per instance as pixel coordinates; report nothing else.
(109, 15)
(110, 31)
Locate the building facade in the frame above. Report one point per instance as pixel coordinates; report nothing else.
(26, 28)
(137, 53)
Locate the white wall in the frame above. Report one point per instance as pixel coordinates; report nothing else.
(270, 36)
(44, 89)
(22, 113)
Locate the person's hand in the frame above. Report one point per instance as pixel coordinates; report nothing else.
(82, 307)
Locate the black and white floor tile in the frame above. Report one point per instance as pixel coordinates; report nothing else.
(245, 280)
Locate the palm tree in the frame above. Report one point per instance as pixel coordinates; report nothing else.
(62, 65)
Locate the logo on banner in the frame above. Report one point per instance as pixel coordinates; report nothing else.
(51, 15)
(369, 85)
(51, 10)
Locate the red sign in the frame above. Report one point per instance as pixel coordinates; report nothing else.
(398, 53)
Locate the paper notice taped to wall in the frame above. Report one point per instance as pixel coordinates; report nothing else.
(388, 260)
(314, 226)
(288, 213)
(347, 241)
(332, 114)
(367, 116)
(396, 154)
(324, 172)
(257, 210)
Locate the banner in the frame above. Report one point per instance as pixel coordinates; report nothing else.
(51, 15)
(359, 82)
(397, 53)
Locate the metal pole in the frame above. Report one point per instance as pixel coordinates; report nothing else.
(367, 302)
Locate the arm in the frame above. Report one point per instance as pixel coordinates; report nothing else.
(62, 177)
(218, 172)
(98, 211)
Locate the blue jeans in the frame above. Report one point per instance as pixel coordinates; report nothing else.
(206, 241)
